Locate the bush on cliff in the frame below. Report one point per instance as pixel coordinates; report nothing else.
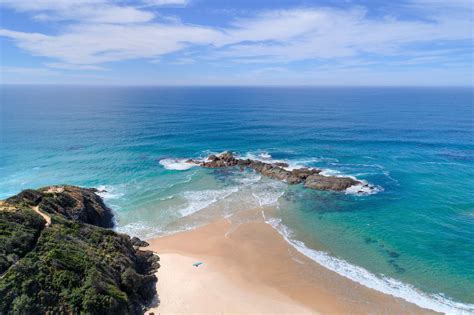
(70, 266)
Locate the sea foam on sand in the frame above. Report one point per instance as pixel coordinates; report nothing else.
(382, 284)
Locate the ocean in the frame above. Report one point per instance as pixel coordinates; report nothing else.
(412, 238)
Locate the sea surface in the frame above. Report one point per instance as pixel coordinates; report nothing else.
(413, 238)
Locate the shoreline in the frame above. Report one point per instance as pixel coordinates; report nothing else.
(249, 267)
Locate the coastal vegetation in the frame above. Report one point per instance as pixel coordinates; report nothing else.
(75, 264)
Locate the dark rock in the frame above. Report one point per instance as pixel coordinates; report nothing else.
(320, 182)
(309, 176)
(304, 172)
(138, 242)
(225, 159)
(393, 254)
(278, 173)
(245, 162)
(72, 266)
(191, 161)
(75, 203)
(79, 204)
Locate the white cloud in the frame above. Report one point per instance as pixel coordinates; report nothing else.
(100, 31)
(333, 33)
(184, 61)
(28, 71)
(66, 66)
(179, 3)
(98, 43)
(94, 11)
(36, 5)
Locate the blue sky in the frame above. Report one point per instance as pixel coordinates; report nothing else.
(238, 42)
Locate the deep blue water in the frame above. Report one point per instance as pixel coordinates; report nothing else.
(415, 144)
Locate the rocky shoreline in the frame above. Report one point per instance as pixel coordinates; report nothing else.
(73, 264)
(310, 177)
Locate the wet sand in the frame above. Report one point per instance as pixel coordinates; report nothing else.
(249, 268)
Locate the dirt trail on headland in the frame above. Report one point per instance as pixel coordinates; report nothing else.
(44, 215)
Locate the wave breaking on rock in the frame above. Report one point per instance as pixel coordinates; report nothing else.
(311, 177)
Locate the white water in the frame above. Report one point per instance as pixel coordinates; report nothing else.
(198, 200)
(108, 192)
(381, 283)
(176, 164)
(263, 193)
(363, 189)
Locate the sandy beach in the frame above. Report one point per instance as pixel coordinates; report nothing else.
(247, 267)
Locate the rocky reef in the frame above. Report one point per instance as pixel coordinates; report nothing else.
(310, 177)
(73, 263)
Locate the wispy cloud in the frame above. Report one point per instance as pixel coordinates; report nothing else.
(66, 66)
(103, 31)
(331, 33)
(28, 71)
(90, 44)
(184, 61)
(92, 11)
(179, 3)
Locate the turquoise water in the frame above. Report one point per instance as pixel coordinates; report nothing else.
(415, 144)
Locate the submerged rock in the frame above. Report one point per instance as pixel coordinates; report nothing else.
(74, 265)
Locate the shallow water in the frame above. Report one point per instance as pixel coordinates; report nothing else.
(415, 144)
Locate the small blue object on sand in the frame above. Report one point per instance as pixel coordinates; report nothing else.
(197, 264)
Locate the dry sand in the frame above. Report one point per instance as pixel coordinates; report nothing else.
(249, 268)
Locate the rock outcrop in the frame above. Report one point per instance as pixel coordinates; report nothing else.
(329, 183)
(74, 203)
(73, 265)
(310, 177)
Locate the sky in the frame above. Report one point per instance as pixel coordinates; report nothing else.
(237, 42)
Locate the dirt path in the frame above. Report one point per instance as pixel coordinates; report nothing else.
(35, 209)
(44, 215)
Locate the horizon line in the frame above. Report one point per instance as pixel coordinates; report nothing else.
(235, 85)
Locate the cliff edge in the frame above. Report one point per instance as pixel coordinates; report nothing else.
(71, 263)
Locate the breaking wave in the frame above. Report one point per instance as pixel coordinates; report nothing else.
(198, 200)
(381, 283)
(176, 164)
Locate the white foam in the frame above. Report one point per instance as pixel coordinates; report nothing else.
(198, 200)
(148, 230)
(139, 229)
(268, 194)
(176, 164)
(108, 192)
(363, 189)
(166, 198)
(185, 181)
(267, 158)
(252, 178)
(330, 172)
(381, 283)
(265, 155)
